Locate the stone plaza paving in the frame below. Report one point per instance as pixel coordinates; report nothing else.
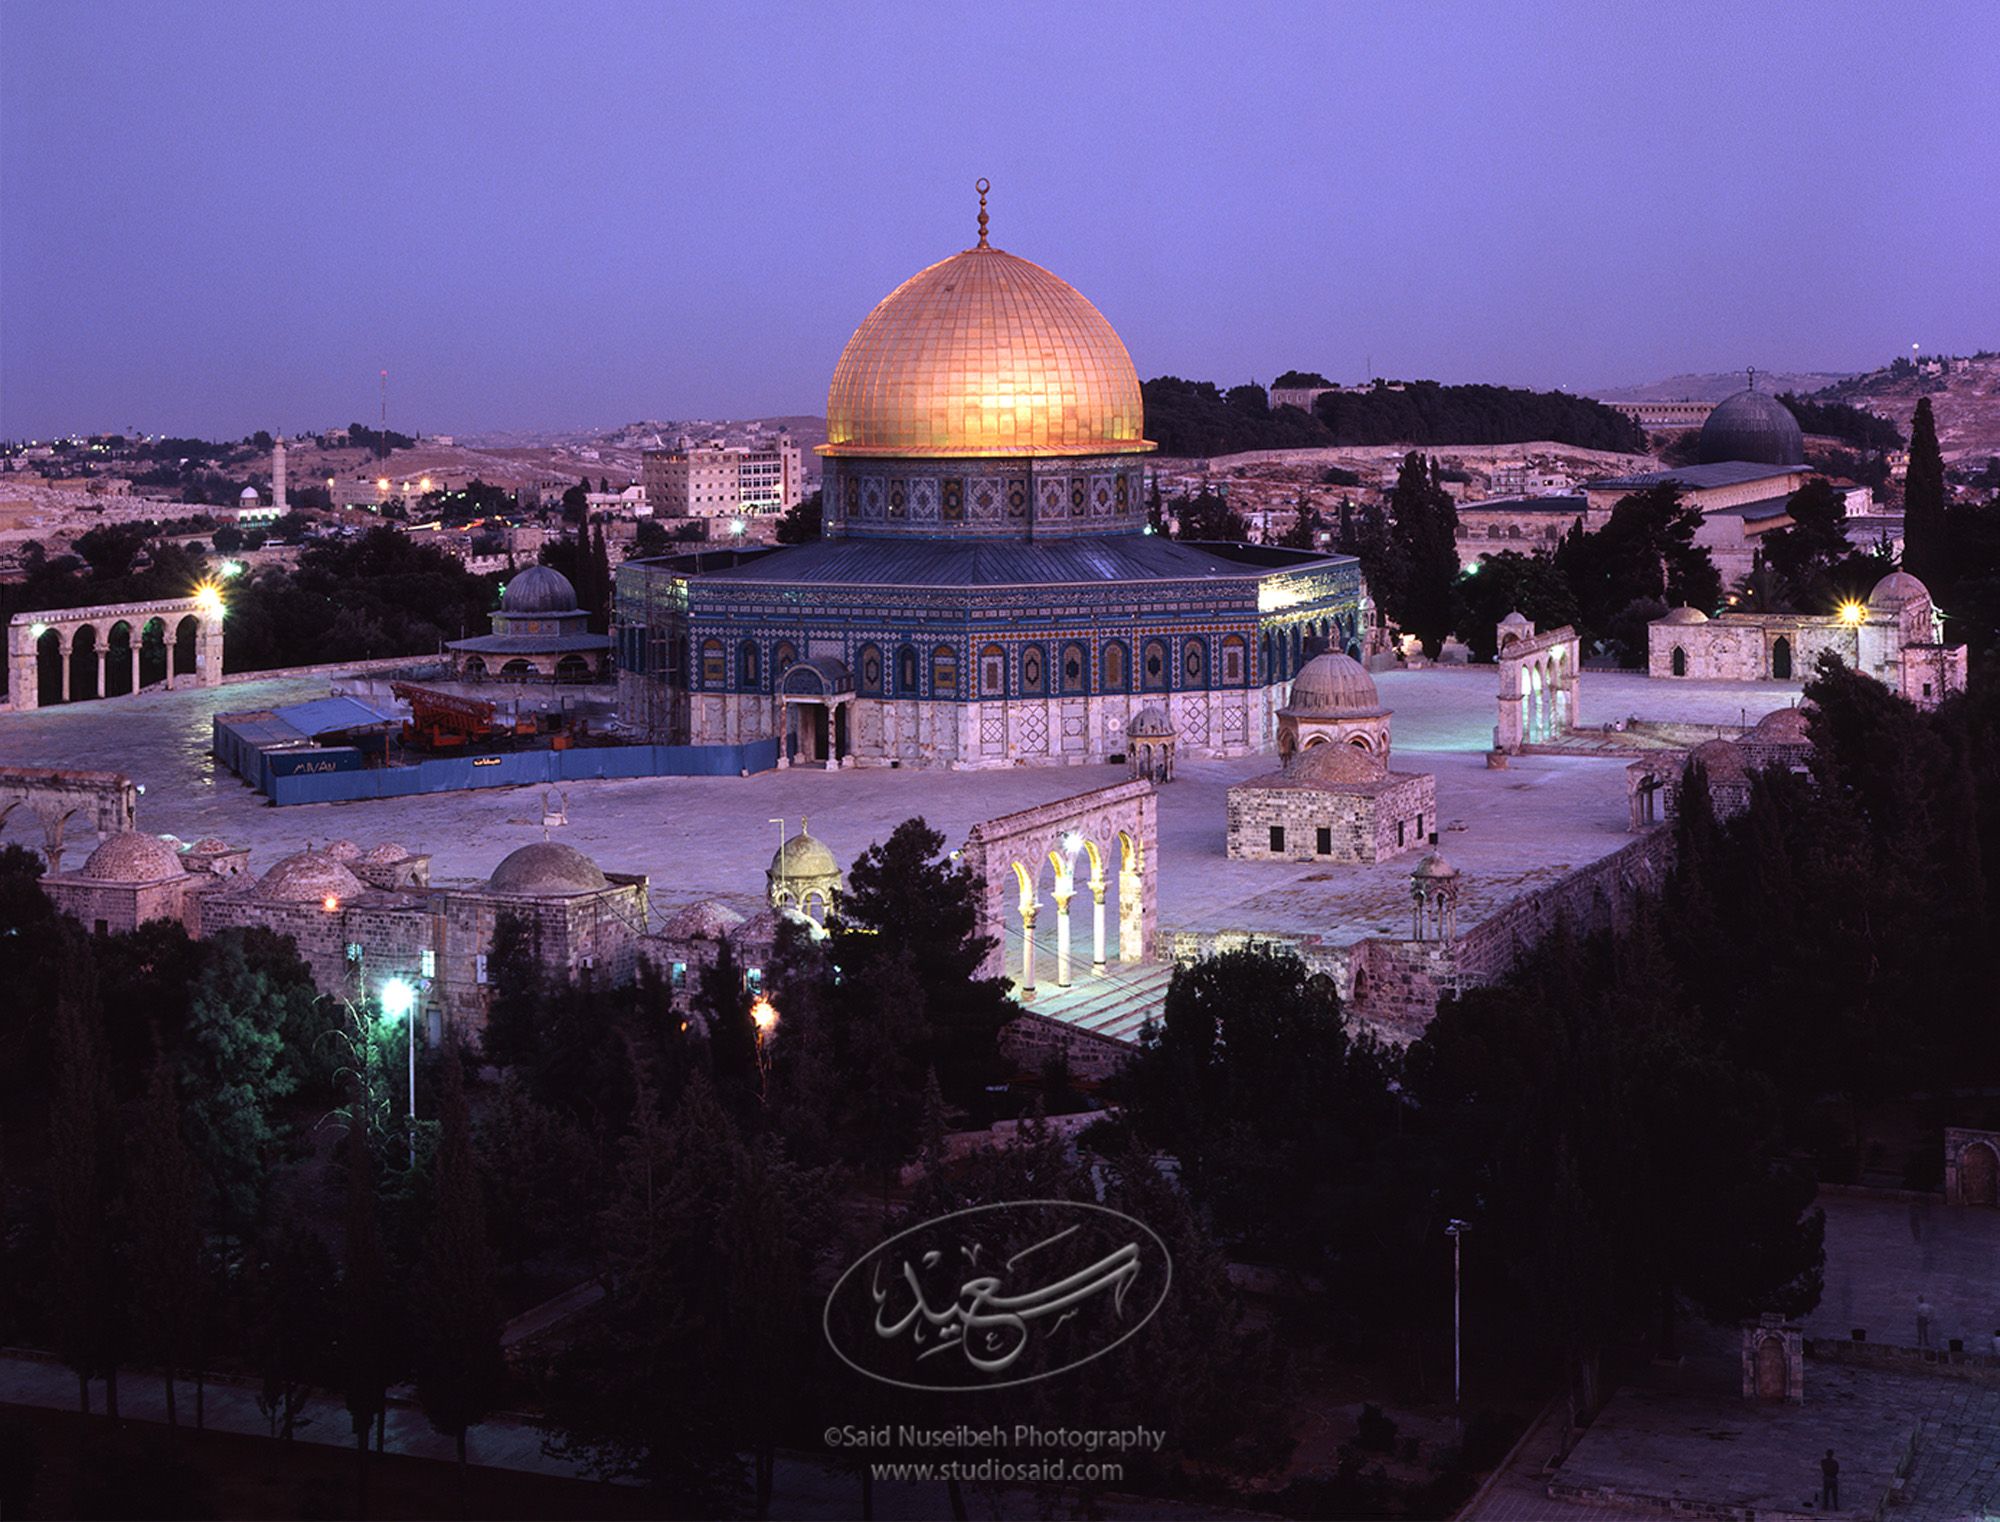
(712, 837)
(1684, 1438)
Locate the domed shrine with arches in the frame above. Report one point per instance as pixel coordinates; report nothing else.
(986, 591)
(539, 634)
(1896, 636)
(1334, 799)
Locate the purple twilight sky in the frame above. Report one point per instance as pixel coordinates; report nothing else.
(217, 217)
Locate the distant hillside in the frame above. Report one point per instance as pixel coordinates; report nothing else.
(1964, 393)
(1714, 387)
(1198, 420)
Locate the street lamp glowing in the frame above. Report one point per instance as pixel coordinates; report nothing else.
(764, 1015)
(1072, 842)
(208, 600)
(229, 569)
(1852, 613)
(331, 903)
(397, 998)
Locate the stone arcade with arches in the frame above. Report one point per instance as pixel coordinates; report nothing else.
(1105, 842)
(1541, 680)
(986, 592)
(65, 655)
(109, 801)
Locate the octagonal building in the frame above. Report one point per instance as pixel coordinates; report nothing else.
(986, 590)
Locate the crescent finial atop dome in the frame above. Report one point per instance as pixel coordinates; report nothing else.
(982, 187)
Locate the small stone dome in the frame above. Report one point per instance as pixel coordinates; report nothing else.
(547, 868)
(248, 496)
(1753, 426)
(1519, 621)
(1685, 615)
(1331, 763)
(1721, 760)
(1333, 684)
(1149, 723)
(385, 854)
(131, 857)
(309, 877)
(1782, 726)
(1434, 866)
(804, 855)
(208, 845)
(539, 589)
(1897, 590)
(706, 921)
(343, 850)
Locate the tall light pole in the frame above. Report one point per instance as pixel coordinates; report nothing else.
(399, 1002)
(1456, 1230)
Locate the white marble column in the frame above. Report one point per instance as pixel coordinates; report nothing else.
(1062, 938)
(1097, 924)
(1027, 952)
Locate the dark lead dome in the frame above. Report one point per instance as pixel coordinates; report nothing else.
(539, 589)
(1755, 426)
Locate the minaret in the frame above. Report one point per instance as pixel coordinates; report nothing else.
(278, 473)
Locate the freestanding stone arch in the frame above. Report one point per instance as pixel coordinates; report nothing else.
(108, 800)
(190, 626)
(1540, 681)
(1070, 843)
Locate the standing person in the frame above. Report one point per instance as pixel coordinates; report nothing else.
(1829, 1482)
(1923, 1321)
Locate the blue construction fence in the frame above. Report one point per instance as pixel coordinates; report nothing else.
(334, 774)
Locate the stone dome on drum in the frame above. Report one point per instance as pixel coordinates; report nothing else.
(546, 868)
(986, 590)
(539, 589)
(1334, 684)
(1754, 426)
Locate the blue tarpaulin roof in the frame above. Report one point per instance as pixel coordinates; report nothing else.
(325, 715)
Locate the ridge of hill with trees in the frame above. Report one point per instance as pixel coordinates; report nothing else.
(1197, 419)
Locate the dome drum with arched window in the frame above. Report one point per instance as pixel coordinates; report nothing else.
(1333, 701)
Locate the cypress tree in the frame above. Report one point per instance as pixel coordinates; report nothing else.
(460, 1368)
(83, 1283)
(367, 1307)
(167, 1238)
(1924, 555)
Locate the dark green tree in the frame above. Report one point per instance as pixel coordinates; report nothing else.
(289, 1317)
(87, 1309)
(1506, 583)
(170, 1280)
(800, 523)
(1806, 555)
(907, 900)
(1208, 516)
(455, 1307)
(370, 1319)
(519, 995)
(1924, 545)
(1423, 521)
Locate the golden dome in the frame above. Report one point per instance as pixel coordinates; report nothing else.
(984, 354)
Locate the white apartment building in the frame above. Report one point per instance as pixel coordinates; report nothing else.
(714, 480)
